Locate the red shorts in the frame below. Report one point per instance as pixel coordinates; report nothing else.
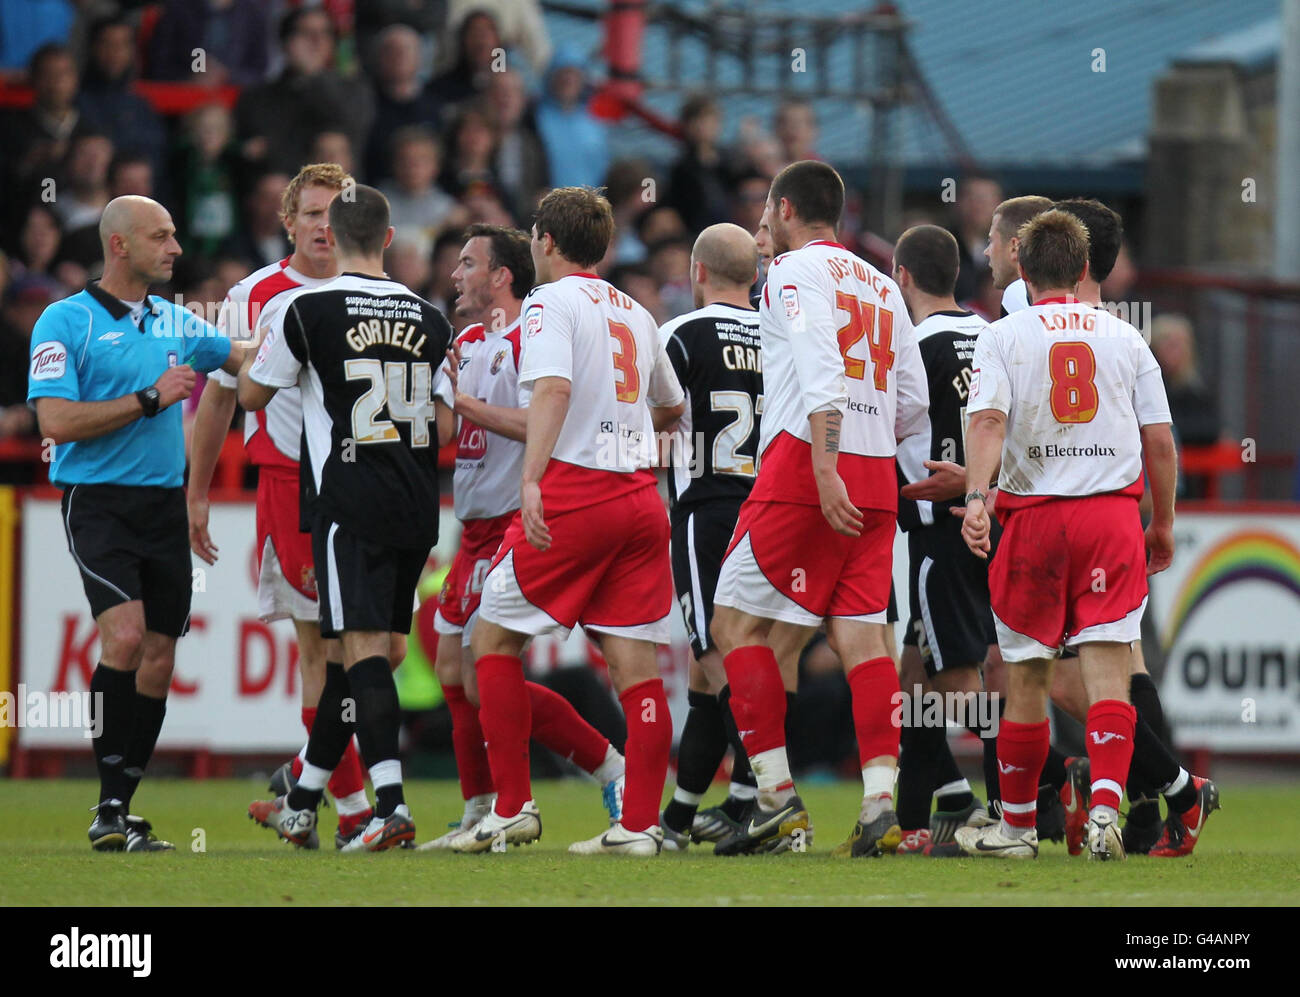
(786, 563)
(1068, 571)
(463, 587)
(607, 568)
(286, 583)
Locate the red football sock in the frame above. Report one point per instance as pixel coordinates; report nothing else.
(506, 719)
(467, 740)
(308, 718)
(873, 684)
(757, 697)
(1109, 736)
(649, 742)
(1022, 749)
(559, 726)
(347, 777)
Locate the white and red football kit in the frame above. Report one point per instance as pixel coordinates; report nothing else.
(836, 337)
(488, 469)
(1076, 385)
(608, 566)
(286, 583)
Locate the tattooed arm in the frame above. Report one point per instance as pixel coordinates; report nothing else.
(836, 507)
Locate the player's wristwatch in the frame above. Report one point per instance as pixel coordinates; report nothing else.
(149, 400)
(971, 496)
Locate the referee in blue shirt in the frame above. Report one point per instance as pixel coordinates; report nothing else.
(108, 366)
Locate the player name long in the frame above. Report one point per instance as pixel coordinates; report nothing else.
(386, 333)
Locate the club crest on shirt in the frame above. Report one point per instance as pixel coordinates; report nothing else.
(533, 321)
(49, 361)
(974, 383)
(790, 299)
(173, 358)
(497, 361)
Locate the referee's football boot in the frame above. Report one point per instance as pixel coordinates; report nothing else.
(674, 841)
(1140, 836)
(712, 825)
(1182, 831)
(758, 827)
(397, 830)
(282, 780)
(1076, 797)
(140, 837)
(1051, 814)
(296, 826)
(494, 832)
(108, 830)
(1102, 834)
(876, 832)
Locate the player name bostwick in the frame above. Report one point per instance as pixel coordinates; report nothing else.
(65, 710)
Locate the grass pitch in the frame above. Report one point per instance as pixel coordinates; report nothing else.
(1247, 858)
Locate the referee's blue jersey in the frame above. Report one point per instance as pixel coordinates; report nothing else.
(87, 348)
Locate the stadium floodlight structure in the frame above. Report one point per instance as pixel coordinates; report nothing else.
(747, 49)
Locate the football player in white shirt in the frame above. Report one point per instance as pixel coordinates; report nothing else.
(1004, 244)
(590, 543)
(494, 273)
(843, 382)
(1070, 399)
(286, 583)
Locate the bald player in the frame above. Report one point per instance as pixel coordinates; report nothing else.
(716, 353)
(108, 366)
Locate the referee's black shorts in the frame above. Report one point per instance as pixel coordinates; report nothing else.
(700, 536)
(132, 542)
(951, 619)
(363, 585)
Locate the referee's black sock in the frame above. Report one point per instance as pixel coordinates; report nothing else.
(1156, 766)
(703, 744)
(1053, 769)
(329, 736)
(112, 700)
(146, 726)
(741, 773)
(378, 723)
(989, 739)
(952, 791)
(918, 758)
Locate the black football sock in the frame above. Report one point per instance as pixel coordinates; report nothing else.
(741, 773)
(702, 747)
(379, 719)
(989, 739)
(146, 725)
(1156, 766)
(1144, 796)
(112, 704)
(947, 774)
(917, 766)
(330, 733)
(1053, 769)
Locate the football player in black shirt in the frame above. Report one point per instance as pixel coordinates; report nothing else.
(365, 351)
(715, 352)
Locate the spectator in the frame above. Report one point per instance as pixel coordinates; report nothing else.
(445, 260)
(106, 98)
(427, 18)
(26, 25)
(796, 130)
(261, 239)
(977, 197)
(231, 33)
(700, 183)
(205, 168)
(576, 143)
(24, 301)
(1192, 405)
(39, 241)
(518, 23)
(669, 263)
(401, 97)
(659, 223)
(757, 151)
(277, 121)
(630, 197)
(469, 169)
(420, 208)
(477, 45)
(333, 147)
(406, 262)
(82, 195)
(748, 199)
(37, 137)
(520, 162)
(130, 173)
(634, 279)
